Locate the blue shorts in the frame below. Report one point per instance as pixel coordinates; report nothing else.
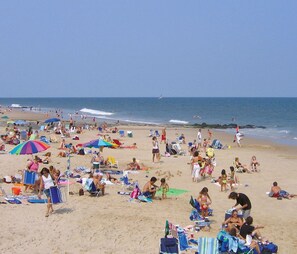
(47, 193)
(147, 194)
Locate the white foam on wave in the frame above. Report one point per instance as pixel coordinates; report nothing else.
(295, 138)
(178, 121)
(284, 131)
(96, 112)
(15, 105)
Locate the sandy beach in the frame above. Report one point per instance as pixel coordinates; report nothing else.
(112, 224)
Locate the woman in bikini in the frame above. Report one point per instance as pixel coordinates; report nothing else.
(233, 222)
(204, 201)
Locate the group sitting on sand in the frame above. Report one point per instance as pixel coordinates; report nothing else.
(150, 188)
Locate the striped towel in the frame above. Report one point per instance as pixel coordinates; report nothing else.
(207, 245)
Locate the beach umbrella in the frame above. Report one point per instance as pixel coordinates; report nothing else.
(10, 122)
(20, 122)
(30, 147)
(4, 117)
(52, 120)
(98, 143)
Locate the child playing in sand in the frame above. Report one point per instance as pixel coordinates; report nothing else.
(164, 187)
(223, 180)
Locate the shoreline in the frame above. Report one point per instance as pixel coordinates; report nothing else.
(16, 114)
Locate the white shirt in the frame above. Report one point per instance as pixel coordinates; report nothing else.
(48, 181)
(199, 136)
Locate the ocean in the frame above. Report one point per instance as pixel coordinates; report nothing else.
(278, 115)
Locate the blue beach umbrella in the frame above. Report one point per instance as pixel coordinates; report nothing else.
(20, 122)
(52, 120)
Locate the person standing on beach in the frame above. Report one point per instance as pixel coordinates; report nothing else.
(163, 137)
(46, 182)
(156, 150)
(237, 138)
(243, 201)
(209, 134)
(199, 139)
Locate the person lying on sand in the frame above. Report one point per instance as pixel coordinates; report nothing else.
(277, 192)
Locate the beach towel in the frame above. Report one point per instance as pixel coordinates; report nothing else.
(172, 192)
(37, 201)
(207, 245)
(13, 201)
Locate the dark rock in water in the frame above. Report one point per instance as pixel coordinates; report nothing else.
(226, 126)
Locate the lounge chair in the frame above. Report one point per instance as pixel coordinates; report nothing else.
(168, 246)
(53, 139)
(179, 233)
(122, 133)
(91, 188)
(111, 162)
(208, 245)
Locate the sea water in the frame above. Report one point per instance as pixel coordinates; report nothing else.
(278, 115)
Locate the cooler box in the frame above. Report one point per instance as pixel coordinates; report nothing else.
(29, 177)
(130, 134)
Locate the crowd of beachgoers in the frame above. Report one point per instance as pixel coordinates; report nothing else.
(147, 162)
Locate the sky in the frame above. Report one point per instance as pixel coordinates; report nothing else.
(121, 48)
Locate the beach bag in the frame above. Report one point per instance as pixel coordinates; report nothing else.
(135, 193)
(269, 248)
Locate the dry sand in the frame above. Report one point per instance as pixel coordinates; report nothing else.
(112, 224)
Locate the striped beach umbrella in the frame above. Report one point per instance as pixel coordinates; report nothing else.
(30, 147)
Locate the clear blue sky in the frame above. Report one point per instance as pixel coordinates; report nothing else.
(147, 48)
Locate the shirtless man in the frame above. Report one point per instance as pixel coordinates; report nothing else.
(149, 189)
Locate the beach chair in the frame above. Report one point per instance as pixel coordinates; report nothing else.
(238, 169)
(122, 133)
(111, 162)
(184, 244)
(23, 135)
(41, 128)
(157, 134)
(208, 245)
(151, 133)
(91, 188)
(44, 139)
(195, 204)
(168, 246)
